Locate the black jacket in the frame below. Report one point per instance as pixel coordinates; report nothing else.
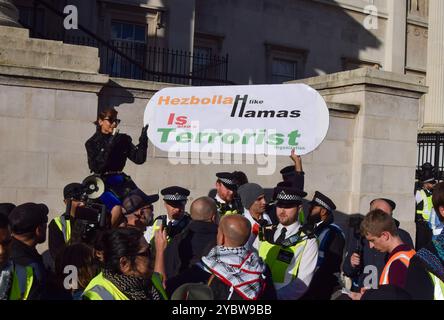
(56, 241)
(25, 255)
(369, 257)
(195, 241)
(108, 153)
(419, 285)
(325, 280)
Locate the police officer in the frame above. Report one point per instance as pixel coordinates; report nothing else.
(176, 219)
(331, 242)
(427, 222)
(226, 198)
(290, 252)
(28, 224)
(13, 277)
(59, 229)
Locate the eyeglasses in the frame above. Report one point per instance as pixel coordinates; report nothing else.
(116, 121)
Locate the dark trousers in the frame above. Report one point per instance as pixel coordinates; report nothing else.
(423, 234)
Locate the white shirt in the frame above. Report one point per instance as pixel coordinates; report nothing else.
(294, 289)
(434, 223)
(219, 199)
(148, 234)
(253, 241)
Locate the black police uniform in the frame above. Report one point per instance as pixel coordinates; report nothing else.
(235, 206)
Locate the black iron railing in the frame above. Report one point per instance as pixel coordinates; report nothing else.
(134, 60)
(431, 149)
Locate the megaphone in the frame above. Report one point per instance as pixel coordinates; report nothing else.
(94, 186)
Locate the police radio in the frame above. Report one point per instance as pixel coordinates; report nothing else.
(305, 232)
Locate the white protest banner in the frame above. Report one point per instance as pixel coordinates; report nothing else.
(257, 119)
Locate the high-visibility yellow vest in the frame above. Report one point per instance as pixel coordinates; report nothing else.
(438, 287)
(301, 217)
(427, 207)
(271, 253)
(101, 288)
(65, 227)
(403, 256)
(22, 279)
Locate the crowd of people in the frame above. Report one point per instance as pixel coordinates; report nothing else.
(240, 242)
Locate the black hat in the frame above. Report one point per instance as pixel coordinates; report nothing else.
(175, 194)
(73, 191)
(6, 208)
(288, 197)
(28, 216)
(391, 203)
(282, 184)
(427, 176)
(287, 171)
(138, 199)
(193, 291)
(227, 179)
(323, 201)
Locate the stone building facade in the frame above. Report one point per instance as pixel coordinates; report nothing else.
(50, 93)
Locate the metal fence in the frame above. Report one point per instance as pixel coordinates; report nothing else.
(132, 60)
(431, 149)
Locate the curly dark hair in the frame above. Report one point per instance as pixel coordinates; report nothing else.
(118, 243)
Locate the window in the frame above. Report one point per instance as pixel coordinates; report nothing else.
(283, 70)
(130, 39)
(284, 63)
(201, 60)
(26, 19)
(127, 32)
(207, 62)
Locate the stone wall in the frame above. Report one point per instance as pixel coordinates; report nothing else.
(383, 150)
(46, 116)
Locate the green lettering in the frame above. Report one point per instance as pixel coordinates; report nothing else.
(246, 137)
(292, 136)
(165, 133)
(275, 139)
(184, 137)
(230, 138)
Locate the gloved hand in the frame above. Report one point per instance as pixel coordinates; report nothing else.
(144, 135)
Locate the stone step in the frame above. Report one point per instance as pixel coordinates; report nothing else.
(13, 32)
(41, 45)
(48, 60)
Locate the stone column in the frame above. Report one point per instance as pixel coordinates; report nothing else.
(8, 14)
(396, 36)
(434, 106)
(382, 159)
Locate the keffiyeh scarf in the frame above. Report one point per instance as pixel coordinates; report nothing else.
(239, 268)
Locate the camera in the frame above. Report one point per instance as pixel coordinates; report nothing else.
(354, 223)
(92, 216)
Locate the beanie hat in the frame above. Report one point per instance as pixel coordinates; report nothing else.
(248, 193)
